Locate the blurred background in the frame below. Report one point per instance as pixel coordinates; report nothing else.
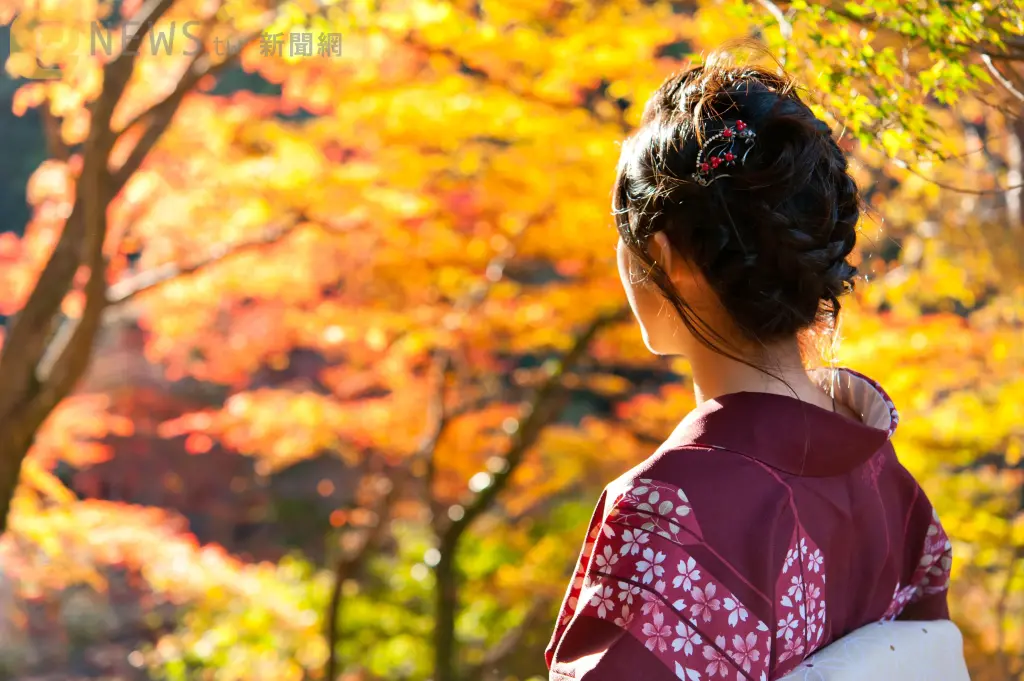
(315, 362)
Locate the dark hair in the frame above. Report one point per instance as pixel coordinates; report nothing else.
(772, 238)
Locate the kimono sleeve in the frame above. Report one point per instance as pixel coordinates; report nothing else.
(570, 603)
(924, 597)
(649, 609)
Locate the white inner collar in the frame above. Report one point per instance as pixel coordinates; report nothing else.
(862, 396)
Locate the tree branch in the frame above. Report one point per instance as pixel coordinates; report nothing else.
(29, 389)
(442, 367)
(55, 147)
(508, 645)
(127, 289)
(30, 408)
(118, 71)
(162, 113)
(873, 22)
(433, 50)
(538, 414)
(961, 190)
(30, 329)
(1000, 78)
(207, 29)
(785, 27)
(349, 564)
(493, 273)
(438, 419)
(147, 17)
(68, 355)
(56, 378)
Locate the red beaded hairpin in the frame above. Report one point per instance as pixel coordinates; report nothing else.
(719, 151)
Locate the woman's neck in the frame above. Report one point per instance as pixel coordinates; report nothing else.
(783, 374)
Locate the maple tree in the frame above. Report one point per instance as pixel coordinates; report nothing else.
(428, 213)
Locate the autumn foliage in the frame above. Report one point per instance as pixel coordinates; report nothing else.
(427, 215)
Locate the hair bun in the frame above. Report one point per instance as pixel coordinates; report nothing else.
(772, 236)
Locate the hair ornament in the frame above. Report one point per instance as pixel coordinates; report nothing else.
(720, 151)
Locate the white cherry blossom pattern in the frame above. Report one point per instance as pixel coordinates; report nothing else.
(633, 542)
(682, 643)
(815, 561)
(689, 574)
(932, 573)
(801, 609)
(813, 592)
(718, 661)
(606, 559)
(704, 603)
(602, 600)
(657, 632)
(670, 603)
(900, 597)
(815, 612)
(591, 600)
(765, 635)
(788, 627)
(737, 613)
(568, 611)
(651, 565)
(625, 619)
(573, 597)
(653, 599)
(795, 592)
(628, 592)
(686, 674)
(792, 650)
(744, 651)
(686, 638)
(660, 508)
(791, 557)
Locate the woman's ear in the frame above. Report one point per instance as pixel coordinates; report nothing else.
(663, 253)
(684, 274)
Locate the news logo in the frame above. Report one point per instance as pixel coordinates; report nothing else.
(42, 46)
(45, 45)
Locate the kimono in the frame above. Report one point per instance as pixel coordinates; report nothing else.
(763, 529)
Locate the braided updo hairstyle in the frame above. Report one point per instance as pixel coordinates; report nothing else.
(772, 238)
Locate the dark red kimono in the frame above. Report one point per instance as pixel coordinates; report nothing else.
(763, 529)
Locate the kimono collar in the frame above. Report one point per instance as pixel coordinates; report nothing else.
(794, 436)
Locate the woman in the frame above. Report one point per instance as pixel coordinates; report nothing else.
(776, 518)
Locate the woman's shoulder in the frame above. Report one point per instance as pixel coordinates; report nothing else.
(682, 560)
(700, 480)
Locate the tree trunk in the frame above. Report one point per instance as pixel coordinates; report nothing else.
(1015, 176)
(12, 453)
(38, 370)
(446, 594)
(544, 408)
(17, 433)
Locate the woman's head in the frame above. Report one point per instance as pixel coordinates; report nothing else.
(758, 254)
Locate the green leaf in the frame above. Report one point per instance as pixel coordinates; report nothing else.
(979, 73)
(892, 142)
(857, 10)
